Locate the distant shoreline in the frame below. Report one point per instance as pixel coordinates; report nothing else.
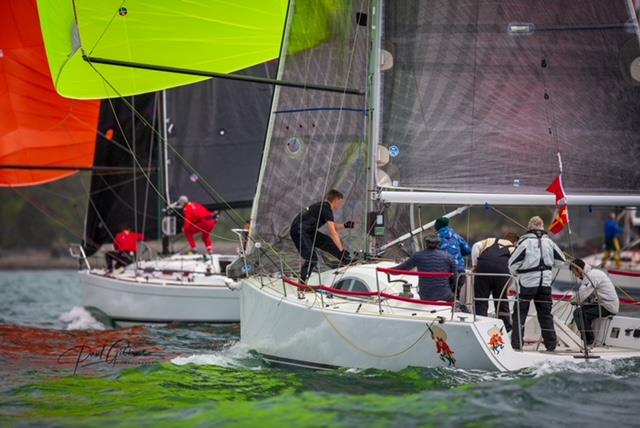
(35, 260)
(47, 260)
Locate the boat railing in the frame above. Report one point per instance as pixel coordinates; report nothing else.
(379, 294)
(242, 235)
(77, 252)
(504, 294)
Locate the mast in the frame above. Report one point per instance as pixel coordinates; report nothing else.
(163, 175)
(373, 100)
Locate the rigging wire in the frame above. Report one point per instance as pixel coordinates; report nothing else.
(237, 219)
(334, 143)
(156, 132)
(43, 210)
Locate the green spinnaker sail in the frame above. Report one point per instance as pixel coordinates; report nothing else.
(219, 36)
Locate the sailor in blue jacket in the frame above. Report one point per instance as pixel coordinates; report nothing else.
(432, 259)
(453, 244)
(611, 242)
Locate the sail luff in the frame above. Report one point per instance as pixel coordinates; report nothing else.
(270, 127)
(316, 140)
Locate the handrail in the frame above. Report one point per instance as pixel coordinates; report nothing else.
(80, 255)
(568, 298)
(390, 271)
(363, 293)
(621, 272)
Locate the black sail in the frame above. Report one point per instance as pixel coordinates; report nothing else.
(125, 194)
(483, 94)
(216, 132)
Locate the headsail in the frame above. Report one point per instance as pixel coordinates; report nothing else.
(38, 127)
(208, 35)
(316, 140)
(483, 95)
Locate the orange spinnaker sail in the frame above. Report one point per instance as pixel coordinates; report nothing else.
(37, 126)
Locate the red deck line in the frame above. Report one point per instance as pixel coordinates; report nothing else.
(624, 273)
(364, 294)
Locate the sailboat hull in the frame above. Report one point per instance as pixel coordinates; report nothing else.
(328, 331)
(141, 300)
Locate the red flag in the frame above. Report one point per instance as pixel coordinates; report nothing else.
(556, 189)
(560, 221)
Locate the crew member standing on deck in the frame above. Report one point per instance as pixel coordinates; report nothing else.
(611, 242)
(456, 245)
(533, 261)
(491, 256)
(197, 219)
(307, 237)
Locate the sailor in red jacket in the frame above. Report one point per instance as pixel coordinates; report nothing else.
(197, 219)
(125, 245)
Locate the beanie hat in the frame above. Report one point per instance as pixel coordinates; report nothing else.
(441, 222)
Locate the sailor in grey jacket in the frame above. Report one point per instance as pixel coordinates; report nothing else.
(532, 261)
(534, 258)
(596, 287)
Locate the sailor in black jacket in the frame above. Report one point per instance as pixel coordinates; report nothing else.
(306, 236)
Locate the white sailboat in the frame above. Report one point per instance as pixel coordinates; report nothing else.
(173, 287)
(150, 147)
(474, 104)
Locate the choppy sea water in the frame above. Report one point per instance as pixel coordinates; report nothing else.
(61, 367)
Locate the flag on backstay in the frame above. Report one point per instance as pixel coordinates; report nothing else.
(561, 218)
(557, 189)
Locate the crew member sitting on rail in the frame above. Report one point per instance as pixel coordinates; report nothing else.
(596, 298)
(125, 245)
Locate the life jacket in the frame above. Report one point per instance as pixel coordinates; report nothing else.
(495, 257)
